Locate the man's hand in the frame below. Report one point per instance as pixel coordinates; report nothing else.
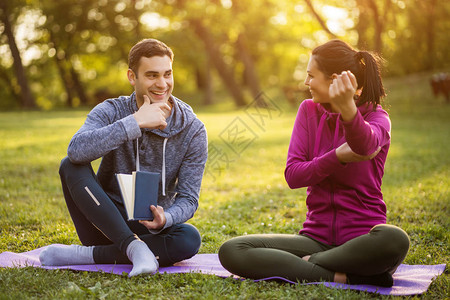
(159, 218)
(346, 155)
(152, 115)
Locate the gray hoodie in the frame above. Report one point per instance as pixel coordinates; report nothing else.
(178, 152)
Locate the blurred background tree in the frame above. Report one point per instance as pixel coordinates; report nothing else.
(17, 83)
(74, 52)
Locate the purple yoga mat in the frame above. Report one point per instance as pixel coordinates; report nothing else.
(408, 279)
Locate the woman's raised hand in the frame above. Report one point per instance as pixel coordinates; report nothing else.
(341, 92)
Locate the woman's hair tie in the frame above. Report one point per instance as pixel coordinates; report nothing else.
(360, 58)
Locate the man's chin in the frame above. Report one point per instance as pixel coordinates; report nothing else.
(159, 100)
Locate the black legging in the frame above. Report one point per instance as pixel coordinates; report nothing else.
(267, 255)
(101, 222)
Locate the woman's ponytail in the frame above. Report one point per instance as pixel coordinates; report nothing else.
(373, 89)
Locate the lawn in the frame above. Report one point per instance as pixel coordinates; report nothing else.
(243, 192)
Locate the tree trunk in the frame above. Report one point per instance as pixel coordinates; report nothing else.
(430, 31)
(65, 81)
(378, 27)
(362, 25)
(251, 79)
(69, 76)
(204, 81)
(250, 74)
(78, 86)
(27, 99)
(62, 72)
(6, 78)
(380, 20)
(208, 84)
(216, 58)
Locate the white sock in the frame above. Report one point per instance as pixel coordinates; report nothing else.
(143, 259)
(63, 255)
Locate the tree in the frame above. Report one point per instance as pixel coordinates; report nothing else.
(27, 99)
(251, 78)
(380, 19)
(216, 58)
(236, 47)
(319, 19)
(201, 27)
(430, 11)
(250, 74)
(4, 75)
(204, 80)
(231, 33)
(63, 33)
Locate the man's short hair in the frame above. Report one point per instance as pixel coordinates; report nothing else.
(147, 48)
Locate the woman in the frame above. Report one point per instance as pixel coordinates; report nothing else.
(338, 149)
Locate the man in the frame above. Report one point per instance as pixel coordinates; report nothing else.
(172, 141)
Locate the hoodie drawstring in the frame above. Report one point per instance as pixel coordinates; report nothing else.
(163, 171)
(137, 156)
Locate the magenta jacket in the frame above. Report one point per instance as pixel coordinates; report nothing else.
(343, 200)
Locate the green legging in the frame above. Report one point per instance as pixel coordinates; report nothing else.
(267, 255)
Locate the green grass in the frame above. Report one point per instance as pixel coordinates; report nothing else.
(241, 194)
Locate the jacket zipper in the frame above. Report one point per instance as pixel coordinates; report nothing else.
(333, 204)
(333, 225)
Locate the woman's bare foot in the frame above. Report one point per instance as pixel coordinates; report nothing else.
(340, 277)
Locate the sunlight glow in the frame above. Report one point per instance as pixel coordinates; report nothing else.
(6, 59)
(279, 19)
(400, 4)
(338, 20)
(120, 7)
(226, 3)
(154, 21)
(26, 31)
(95, 14)
(299, 8)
